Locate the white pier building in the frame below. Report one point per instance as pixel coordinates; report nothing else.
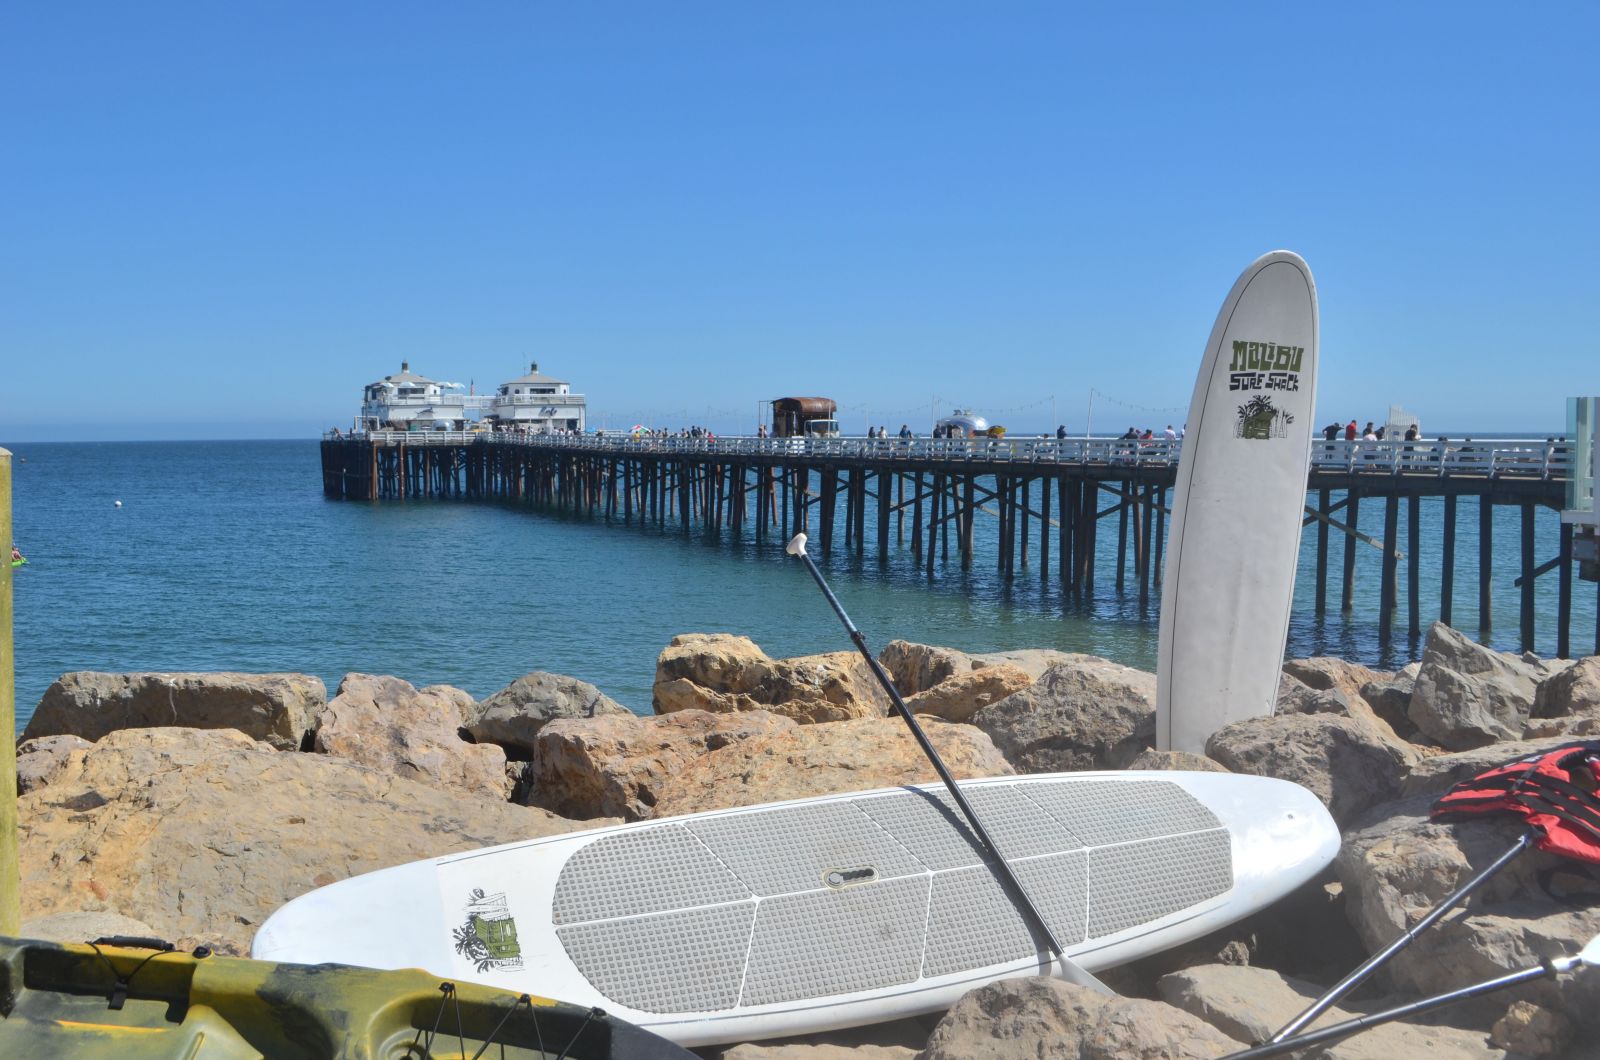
(407, 401)
(538, 404)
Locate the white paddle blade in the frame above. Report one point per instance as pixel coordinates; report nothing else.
(796, 545)
(1590, 954)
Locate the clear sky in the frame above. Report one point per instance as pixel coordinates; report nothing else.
(222, 219)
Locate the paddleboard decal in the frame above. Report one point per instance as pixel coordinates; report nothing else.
(1259, 419)
(489, 937)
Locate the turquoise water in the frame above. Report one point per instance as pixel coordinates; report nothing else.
(225, 556)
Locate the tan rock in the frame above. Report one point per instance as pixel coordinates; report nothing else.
(1028, 1019)
(916, 668)
(1090, 713)
(1250, 1004)
(895, 1040)
(460, 698)
(1467, 695)
(1571, 693)
(1437, 773)
(1402, 864)
(84, 927)
(617, 764)
(1531, 1030)
(386, 724)
(201, 834)
(277, 708)
(1186, 761)
(1348, 763)
(1323, 672)
(960, 697)
(41, 759)
(722, 673)
(513, 716)
(826, 759)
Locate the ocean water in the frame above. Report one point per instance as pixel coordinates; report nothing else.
(226, 556)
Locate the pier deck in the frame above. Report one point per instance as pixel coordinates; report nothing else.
(1044, 495)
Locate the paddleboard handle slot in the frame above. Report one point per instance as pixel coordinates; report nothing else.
(837, 878)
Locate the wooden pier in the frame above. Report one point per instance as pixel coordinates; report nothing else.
(1043, 504)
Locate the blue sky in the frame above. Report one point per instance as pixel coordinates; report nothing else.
(220, 220)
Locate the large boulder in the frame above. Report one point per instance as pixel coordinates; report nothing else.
(1571, 693)
(386, 724)
(41, 760)
(1436, 773)
(1184, 761)
(918, 667)
(1250, 1004)
(513, 716)
(840, 756)
(277, 708)
(1467, 695)
(1401, 865)
(616, 765)
(1348, 763)
(1324, 673)
(722, 673)
(1089, 713)
(1028, 1019)
(1390, 699)
(202, 834)
(958, 698)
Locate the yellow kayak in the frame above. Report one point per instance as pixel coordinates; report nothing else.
(132, 998)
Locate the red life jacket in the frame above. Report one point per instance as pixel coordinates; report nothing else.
(1553, 791)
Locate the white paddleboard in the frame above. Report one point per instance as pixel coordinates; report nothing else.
(1237, 507)
(826, 912)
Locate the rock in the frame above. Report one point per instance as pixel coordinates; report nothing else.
(386, 724)
(1180, 760)
(84, 927)
(277, 708)
(1573, 692)
(1026, 1019)
(460, 698)
(1086, 714)
(896, 1040)
(1467, 695)
(41, 759)
(615, 765)
(916, 668)
(1250, 1004)
(201, 834)
(1400, 865)
(805, 1051)
(1348, 763)
(1437, 773)
(839, 756)
(1390, 699)
(1324, 673)
(1529, 1030)
(960, 697)
(513, 716)
(722, 673)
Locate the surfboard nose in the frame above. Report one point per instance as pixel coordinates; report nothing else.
(378, 920)
(1283, 838)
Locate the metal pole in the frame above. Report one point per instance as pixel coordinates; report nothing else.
(1359, 976)
(10, 874)
(1008, 879)
(1427, 1004)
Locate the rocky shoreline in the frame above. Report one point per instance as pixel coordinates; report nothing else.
(190, 806)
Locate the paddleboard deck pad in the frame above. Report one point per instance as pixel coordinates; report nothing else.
(827, 912)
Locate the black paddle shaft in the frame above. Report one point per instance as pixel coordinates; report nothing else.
(1002, 869)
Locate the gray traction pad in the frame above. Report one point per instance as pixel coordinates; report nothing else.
(1098, 857)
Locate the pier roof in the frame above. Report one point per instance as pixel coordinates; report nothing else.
(406, 377)
(534, 376)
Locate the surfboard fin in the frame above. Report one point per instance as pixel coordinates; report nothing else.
(1078, 975)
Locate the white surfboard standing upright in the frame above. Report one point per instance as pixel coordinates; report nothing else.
(1237, 507)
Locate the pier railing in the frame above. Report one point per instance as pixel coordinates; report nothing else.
(1523, 458)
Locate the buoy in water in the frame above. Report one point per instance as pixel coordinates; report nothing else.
(116, 504)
